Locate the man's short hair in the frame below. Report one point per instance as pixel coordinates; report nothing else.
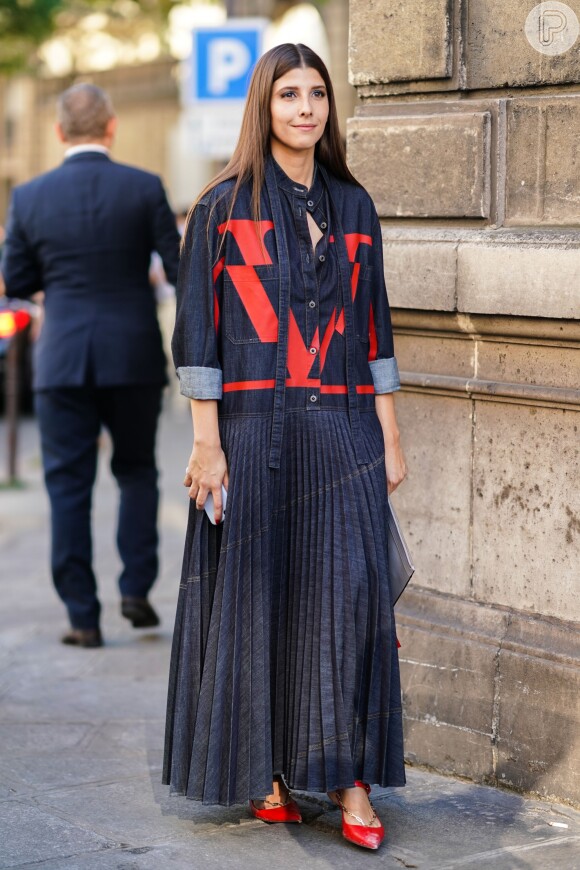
(84, 111)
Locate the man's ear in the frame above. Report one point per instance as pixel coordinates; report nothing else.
(111, 128)
(60, 133)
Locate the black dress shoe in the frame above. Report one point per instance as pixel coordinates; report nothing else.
(139, 612)
(86, 637)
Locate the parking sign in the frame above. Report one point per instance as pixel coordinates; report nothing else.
(223, 59)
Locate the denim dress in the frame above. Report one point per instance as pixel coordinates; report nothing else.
(284, 655)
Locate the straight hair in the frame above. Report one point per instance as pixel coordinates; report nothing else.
(248, 161)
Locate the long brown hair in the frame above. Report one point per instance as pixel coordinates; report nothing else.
(249, 158)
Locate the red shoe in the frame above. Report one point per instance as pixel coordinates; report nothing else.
(368, 836)
(288, 812)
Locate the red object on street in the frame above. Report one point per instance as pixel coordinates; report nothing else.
(12, 322)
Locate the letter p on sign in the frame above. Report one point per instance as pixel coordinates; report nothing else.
(223, 59)
(228, 60)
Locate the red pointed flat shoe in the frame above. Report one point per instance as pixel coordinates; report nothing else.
(368, 836)
(274, 812)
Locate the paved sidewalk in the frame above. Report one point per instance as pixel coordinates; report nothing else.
(81, 735)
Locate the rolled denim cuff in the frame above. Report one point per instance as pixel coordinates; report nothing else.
(200, 382)
(385, 374)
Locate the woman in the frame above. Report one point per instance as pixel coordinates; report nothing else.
(284, 670)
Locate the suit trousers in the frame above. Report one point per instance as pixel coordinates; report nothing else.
(70, 420)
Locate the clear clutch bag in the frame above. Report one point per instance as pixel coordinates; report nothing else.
(401, 567)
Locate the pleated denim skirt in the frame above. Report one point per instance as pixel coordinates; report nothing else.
(284, 654)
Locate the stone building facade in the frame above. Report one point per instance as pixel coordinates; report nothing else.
(467, 136)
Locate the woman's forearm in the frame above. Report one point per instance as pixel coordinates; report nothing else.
(385, 408)
(395, 464)
(204, 415)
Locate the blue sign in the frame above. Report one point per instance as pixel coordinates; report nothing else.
(223, 59)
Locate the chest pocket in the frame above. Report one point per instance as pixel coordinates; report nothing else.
(251, 304)
(364, 278)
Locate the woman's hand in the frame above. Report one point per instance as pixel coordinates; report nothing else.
(207, 468)
(395, 464)
(206, 471)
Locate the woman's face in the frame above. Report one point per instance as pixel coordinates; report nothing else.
(298, 109)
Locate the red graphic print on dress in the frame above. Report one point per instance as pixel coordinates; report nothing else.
(246, 280)
(262, 314)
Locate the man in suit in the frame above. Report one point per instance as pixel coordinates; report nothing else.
(84, 234)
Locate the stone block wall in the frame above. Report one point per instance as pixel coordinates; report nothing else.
(466, 136)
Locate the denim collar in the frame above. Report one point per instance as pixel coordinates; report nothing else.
(314, 194)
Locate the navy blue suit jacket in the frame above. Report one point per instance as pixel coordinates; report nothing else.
(83, 233)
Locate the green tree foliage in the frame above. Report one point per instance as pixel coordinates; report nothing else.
(23, 25)
(26, 24)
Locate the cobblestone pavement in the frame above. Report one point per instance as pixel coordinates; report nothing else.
(81, 734)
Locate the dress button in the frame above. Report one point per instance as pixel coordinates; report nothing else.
(322, 258)
(312, 304)
(323, 225)
(312, 350)
(313, 398)
(310, 203)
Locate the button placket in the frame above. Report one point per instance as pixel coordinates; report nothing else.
(319, 215)
(301, 208)
(312, 317)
